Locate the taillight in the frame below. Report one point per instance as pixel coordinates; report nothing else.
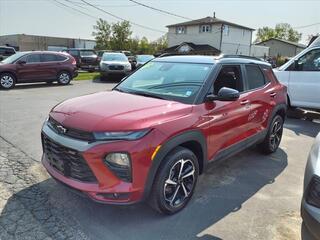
(313, 194)
(74, 62)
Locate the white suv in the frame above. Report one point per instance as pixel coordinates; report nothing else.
(301, 75)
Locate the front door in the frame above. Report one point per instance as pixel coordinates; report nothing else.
(228, 119)
(304, 81)
(29, 71)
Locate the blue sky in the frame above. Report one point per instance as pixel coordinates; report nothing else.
(46, 17)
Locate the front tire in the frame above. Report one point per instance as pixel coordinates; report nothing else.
(7, 81)
(64, 78)
(273, 138)
(175, 181)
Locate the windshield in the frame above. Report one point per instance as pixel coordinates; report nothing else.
(144, 58)
(114, 57)
(13, 58)
(172, 81)
(87, 53)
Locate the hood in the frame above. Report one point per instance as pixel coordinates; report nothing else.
(116, 111)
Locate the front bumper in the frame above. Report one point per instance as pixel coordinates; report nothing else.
(108, 188)
(310, 216)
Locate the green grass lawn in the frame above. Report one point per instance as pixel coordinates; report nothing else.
(87, 76)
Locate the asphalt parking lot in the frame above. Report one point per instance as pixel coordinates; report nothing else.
(250, 196)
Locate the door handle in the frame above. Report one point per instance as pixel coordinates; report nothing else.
(273, 94)
(244, 102)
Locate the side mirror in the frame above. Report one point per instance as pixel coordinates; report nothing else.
(224, 94)
(21, 62)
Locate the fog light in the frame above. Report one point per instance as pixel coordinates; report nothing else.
(120, 165)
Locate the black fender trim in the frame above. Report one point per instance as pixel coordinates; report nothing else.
(192, 135)
(277, 108)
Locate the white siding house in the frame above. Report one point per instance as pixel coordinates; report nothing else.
(229, 38)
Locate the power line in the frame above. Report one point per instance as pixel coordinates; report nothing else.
(74, 9)
(120, 18)
(160, 10)
(305, 26)
(102, 5)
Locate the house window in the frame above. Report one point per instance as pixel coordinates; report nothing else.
(205, 28)
(181, 30)
(226, 30)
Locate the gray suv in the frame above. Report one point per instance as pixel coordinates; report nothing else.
(310, 206)
(114, 63)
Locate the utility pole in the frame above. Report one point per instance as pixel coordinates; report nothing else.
(221, 34)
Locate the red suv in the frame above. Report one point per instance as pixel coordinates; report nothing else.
(37, 66)
(156, 131)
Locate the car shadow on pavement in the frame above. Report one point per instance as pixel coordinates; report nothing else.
(304, 127)
(49, 208)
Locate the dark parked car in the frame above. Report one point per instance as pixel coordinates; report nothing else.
(155, 132)
(142, 59)
(25, 67)
(87, 59)
(6, 52)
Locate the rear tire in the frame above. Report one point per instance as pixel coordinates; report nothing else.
(273, 138)
(173, 186)
(7, 81)
(64, 78)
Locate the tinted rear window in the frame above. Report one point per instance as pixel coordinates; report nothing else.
(48, 58)
(254, 76)
(60, 58)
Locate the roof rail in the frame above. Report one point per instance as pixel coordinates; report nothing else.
(239, 56)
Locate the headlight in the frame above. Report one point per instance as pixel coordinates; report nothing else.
(126, 135)
(119, 163)
(313, 192)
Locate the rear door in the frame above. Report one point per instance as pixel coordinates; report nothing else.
(30, 71)
(304, 80)
(261, 93)
(49, 65)
(229, 119)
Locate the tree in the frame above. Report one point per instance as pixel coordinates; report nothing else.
(102, 34)
(121, 33)
(160, 44)
(282, 31)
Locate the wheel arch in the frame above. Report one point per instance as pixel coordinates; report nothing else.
(194, 140)
(12, 73)
(280, 109)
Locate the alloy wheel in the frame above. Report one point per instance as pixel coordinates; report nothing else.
(180, 183)
(64, 78)
(7, 81)
(276, 133)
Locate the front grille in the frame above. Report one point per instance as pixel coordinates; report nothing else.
(116, 67)
(73, 133)
(67, 161)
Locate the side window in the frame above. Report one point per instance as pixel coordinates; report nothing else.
(255, 77)
(9, 52)
(229, 76)
(310, 61)
(48, 58)
(33, 58)
(268, 73)
(60, 58)
(73, 52)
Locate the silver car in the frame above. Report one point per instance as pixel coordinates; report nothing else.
(310, 207)
(114, 63)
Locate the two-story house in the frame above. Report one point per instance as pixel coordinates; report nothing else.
(227, 37)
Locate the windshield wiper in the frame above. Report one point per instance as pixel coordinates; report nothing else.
(175, 85)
